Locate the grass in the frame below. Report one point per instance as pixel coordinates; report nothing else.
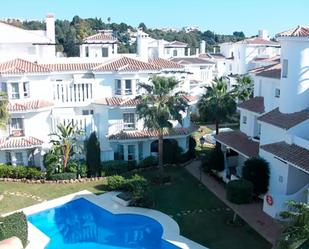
(208, 228)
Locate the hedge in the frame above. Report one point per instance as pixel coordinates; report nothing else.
(14, 225)
(63, 176)
(20, 172)
(148, 162)
(239, 191)
(114, 167)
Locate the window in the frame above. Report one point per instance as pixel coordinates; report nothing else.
(128, 121)
(26, 89)
(4, 88)
(17, 123)
(104, 52)
(131, 152)
(277, 93)
(87, 112)
(118, 87)
(120, 152)
(174, 52)
(19, 158)
(128, 87)
(87, 51)
(285, 66)
(244, 119)
(8, 158)
(140, 151)
(14, 91)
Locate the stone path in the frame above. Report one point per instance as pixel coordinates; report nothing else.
(252, 213)
(20, 194)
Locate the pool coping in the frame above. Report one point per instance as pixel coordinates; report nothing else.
(171, 231)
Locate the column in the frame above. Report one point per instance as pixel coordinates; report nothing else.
(25, 157)
(125, 152)
(123, 86)
(13, 158)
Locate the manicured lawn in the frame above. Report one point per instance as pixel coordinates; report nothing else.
(201, 215)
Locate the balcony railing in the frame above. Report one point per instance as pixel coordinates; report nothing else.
(116, 126)
(17, 132)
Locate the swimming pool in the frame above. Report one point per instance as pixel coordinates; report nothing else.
(82, 224)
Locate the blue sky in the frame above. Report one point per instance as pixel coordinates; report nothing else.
(221, 16)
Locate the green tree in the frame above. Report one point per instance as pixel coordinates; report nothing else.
(4, 115)
(217, 103)
(66, 139)
(244, 88)
(160, 104)
(93, 155)
(296, 234)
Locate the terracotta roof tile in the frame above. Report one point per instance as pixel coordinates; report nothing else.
(255, 104)
(19, 66)
(272, 71)
(101, 36)
(176, 43)
(162, 63)
(240, 142)
(289, 152)
(28, 105)
(258, 41)
(58, 67)
(284, 121)
(19, 142)
(299, 31)
(142, 134)
(115, 101)
(126, 64)
(191, 60)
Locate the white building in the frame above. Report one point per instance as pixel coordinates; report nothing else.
(275, 123)
(242, 54)
(94, 93)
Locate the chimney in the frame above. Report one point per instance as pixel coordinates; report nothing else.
(263, 34)
(142, 45)
(50, 27)
(160, 48)
(202, 47)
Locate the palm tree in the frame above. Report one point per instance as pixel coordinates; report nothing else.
(244, 88)
(160, 104)
(4, 115)
(217, 103)
(296, 234)
(66, 141)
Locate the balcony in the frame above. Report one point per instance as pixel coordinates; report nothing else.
(17, 132)
(116, 126)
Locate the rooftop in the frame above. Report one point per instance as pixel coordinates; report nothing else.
(20, 66)
(299, 31)
(28, 105)
(239, 142)
(165, 64)
(271, 71)
(258, 41)
(283, 120)
(255, 104)
(104, 36)
(19, 142)
(289, 152)
(191, 60)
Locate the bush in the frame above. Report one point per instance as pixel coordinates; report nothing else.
(114, 167)
(20, 172)
(51, 163)
(116, 182)
(171, 151)
(72, 167)
(63, 176)
(82, 169)
(148, 162)
(14, 225)
(239, 191)
(256, 170)
(93, 155)
(190, 154)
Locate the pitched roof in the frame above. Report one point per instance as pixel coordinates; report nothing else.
(28, 105)
(299, 31)
(289, 152)
(240, 142)
(115, 101)
(142, 134)
(271, 71)
(258, 41)
(19, 66)
(191, 60)
(101, 36)
(255, 104)
(70, 66)
(126, 64)
(283, 120)
(165, 64)
(205, 56)
(176, 44)
(19, 142)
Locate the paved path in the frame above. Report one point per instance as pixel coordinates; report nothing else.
(253, 214)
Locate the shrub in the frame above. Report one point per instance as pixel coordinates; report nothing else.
(72, 167)
(51, 163)
(256, 170)
(93, 155)
(148, 162)
(132, 164)
(63, 176)
(116, 182)
(216, 159)
(171, 151)
(19, 172)
(82, 169)
(14, 225)
(114, 167)
(239, 191)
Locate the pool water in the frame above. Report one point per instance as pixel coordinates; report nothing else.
(82, 224)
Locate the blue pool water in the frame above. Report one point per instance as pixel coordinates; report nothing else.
(81, 224)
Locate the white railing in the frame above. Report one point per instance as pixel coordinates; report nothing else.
(116, 126)
(84, 123)
(72, 92)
